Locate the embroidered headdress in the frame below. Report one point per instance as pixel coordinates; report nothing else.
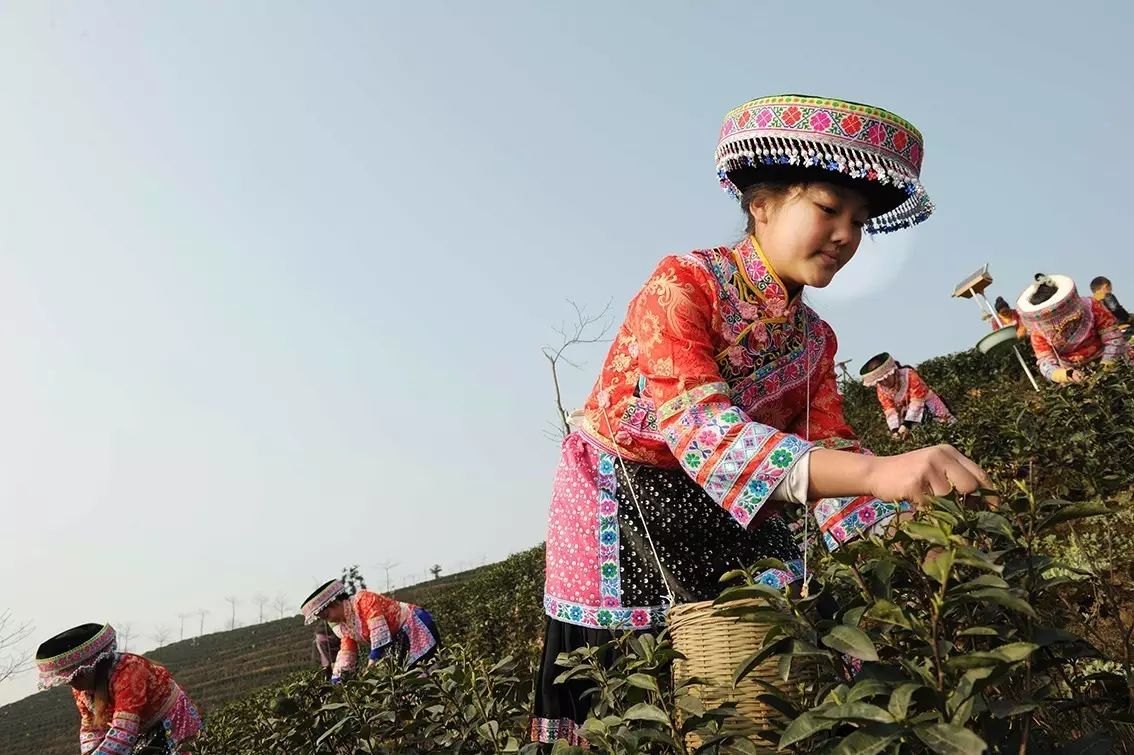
(878, 368)
(810, 138)
(1053, 307)
(67, 654)
(323, 596)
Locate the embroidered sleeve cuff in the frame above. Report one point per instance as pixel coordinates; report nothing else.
(793, 487)
(843, 519)
(346, 661)
(915, 412)
(90, 739)
(379, 632)
(738, 462)
(122, 735)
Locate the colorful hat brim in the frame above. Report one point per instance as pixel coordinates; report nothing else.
(64, 667)
(314, 605)
(880, 373)
(877, 151)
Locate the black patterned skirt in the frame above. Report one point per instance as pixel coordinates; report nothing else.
(660, 530)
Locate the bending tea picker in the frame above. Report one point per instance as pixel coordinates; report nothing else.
(126, 702)
(387, 625)
(906, 399)
(1069, 332)
(716, 416)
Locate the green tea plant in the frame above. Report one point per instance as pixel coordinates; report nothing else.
(458, 704)
(937, 645)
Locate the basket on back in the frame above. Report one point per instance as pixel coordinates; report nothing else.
(714, 646)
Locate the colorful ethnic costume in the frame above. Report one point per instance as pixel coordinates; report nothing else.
(141, 708)
(383, 623)
(904, 396)
(1069, 331)
(715, 389)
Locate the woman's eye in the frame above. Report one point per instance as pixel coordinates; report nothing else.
(827, 209)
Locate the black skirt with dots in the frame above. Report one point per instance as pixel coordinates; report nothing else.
(669, 533)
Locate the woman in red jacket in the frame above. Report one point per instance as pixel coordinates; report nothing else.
(382, 622)
(906, 399)
(124, 700)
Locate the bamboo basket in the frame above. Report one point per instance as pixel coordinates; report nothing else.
(714, 646)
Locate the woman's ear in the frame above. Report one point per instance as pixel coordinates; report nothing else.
(759, 210)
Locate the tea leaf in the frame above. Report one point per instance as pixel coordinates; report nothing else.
(1072, 511)
(806, 725)
(947, 739)
(646, 712)
(852, 642)
(868, 741)
(887, 612)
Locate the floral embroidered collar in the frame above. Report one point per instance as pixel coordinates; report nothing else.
(757, 281)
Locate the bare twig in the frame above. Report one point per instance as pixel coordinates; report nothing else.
(584, 329)
(12, 660)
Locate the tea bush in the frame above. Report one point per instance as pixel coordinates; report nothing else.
(1066, 441)
(955, 655)
(458, 704)
(938, 645)
(962, 631)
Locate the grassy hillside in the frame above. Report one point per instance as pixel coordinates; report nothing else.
(215, 669)
(1071, 441)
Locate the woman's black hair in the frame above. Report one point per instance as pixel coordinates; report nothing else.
(775, 181)
(1044, 291)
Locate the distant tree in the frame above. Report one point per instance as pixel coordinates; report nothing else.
(353, 579)
(232, 600)
(12, 660)
(435, 570)
(160, 635)
(280, 604)
(260, 600)
(124, 630)
(202, 612)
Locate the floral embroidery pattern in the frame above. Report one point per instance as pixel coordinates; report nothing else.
(610, 590)
(591, 616)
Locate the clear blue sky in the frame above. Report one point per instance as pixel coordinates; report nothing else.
(274, 276)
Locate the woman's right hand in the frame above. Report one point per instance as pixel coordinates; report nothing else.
(914, 476)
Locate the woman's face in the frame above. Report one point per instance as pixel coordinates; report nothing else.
(333, 612)
(812, 233)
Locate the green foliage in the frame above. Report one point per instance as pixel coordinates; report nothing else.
(217, 669)
(498, 612)
(939, 645)
(456, 704)
(983, 645)
(1070, 441)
